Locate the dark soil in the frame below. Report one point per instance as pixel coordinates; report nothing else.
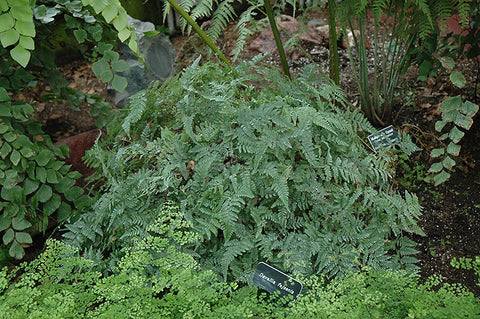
(451, 212)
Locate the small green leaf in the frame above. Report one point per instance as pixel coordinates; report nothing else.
(44, 157)
(20, 223)
(456, 135)
(120, 66)
(437, 152)
(80, 35)
(15, 157)
(444, 136)
(41, 174)
(30, 185)
(99, 67)
(10, 137)
(106, 76)
(73, 193)
(4, 6)
(441, 178)
(23, 238)
(435, 168)
(5, 150)
(453, 149)
(5, 110)
(26, 28)
(21, 55)
(22, 12)
(439, 125)
(8, 236)
(52, 204)
(4, 97)
(52, 176)
(109, 13)
(119, 83)
(111, 56)
(458, 79)
(5, 222)
(463, 121)
(121, 23)
(27, 152)
(63, 212)
(6, 22)
(64, 184)
(123, 34)
(448, 163)
(26, 42)
(447, 62)
(9, 37)
(70, 21)
(44, 193)
(451, 104)
(151, 33)
(16, 250)
(469, 109)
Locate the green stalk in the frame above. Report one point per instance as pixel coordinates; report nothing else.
(332, 30)
(276, 35)
(199, 30)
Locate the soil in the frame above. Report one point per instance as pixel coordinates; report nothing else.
(451, 212)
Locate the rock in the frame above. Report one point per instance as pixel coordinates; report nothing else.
(77, 146)
(159, 56)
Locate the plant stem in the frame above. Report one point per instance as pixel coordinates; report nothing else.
(332, 46)
(200, 32)
(276, 35)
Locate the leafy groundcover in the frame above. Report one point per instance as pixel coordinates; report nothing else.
(217, 170)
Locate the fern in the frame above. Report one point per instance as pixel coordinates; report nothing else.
(268, 174)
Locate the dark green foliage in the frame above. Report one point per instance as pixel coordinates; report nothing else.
(158, 279)
(397, 25)
(34, 183)
(278, 175)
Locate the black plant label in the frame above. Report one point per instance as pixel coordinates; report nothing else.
(273, 280)
(383, 138)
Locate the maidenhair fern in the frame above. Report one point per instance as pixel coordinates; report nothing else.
(277, 174)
